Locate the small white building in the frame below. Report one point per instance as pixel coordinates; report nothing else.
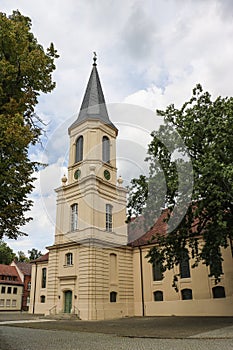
(11, 289)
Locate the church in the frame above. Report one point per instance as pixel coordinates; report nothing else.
(91, 270)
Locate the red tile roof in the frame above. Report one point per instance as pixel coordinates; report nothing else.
(42, 258)
(24, 267)
(138, 236)
(9, 271)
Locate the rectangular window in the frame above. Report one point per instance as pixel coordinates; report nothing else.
(14, 303)
(69, 259)
(43, 282)
(109, 217)
(8, 302)
(2, 302)
(184, 266)
(3, 290)
(8, 290)
(74, 217)
(157, 271)
(15, 290)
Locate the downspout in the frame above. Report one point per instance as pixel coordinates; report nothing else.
(142, 282)
(34, 297)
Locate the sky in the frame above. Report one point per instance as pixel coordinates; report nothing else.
(151, 53)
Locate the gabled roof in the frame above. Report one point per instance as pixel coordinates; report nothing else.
(9, 271)
(42, 258)
(136, 230)
(24, 267)
(93, 105)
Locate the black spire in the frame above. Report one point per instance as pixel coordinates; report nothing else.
(93, 105)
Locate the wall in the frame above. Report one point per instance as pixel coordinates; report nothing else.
(199, 282)
(12, 302)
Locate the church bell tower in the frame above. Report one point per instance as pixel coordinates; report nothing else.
(91, 203)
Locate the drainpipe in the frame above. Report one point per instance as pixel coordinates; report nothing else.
(142, 284)
(34, 297)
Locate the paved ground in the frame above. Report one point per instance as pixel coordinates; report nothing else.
(162, 333)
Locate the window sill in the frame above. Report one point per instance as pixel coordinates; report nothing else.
(68, 265)
(158, 282)
(185, 279)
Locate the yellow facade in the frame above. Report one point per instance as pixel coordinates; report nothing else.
(91, 270)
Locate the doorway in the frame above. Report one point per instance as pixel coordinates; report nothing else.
(68, 301)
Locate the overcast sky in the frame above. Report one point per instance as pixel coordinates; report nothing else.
(150, 54)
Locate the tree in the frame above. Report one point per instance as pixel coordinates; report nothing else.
(34, 254)
(21, 257)
(6, 253)
(25, 71)
(199, 183)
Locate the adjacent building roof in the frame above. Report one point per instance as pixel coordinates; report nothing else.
(9, 275)
(136, 230)
(24, 267)
(93, 105)
(42, 258)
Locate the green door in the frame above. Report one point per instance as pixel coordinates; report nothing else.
(68, 302)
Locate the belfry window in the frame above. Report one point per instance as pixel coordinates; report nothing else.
(74, 217)
(109, 217)
(106, 149)
(79, 149)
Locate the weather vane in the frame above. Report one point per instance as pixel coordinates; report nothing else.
(94, 58)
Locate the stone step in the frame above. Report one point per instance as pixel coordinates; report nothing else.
(64, 316)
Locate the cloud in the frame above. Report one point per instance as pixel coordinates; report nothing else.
(149, 54)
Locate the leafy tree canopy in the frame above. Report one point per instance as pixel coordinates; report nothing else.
(21, 257)
(196, 187)
(25, 71)
(6, 254)
(34, 254)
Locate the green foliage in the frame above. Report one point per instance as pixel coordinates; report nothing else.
(34, 254)
(25, 71)
(21, 257)
(6, 254)
(206, 130)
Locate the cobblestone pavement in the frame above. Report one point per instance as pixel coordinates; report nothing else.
(16, 338)
(163, 333)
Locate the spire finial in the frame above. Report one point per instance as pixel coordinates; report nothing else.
(94, 58)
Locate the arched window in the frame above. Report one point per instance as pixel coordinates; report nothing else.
(186, 294)
(43, 280)
(157, 271)
(218, 292)
(79, 149)
(109, 217)
(42, 298)
(69, 259)
(74, 217)
(106, 149)
(184, 266)
(158, 295)
(113, 297)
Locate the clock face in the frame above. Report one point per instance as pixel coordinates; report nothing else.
(77, 174)
(107, 174)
